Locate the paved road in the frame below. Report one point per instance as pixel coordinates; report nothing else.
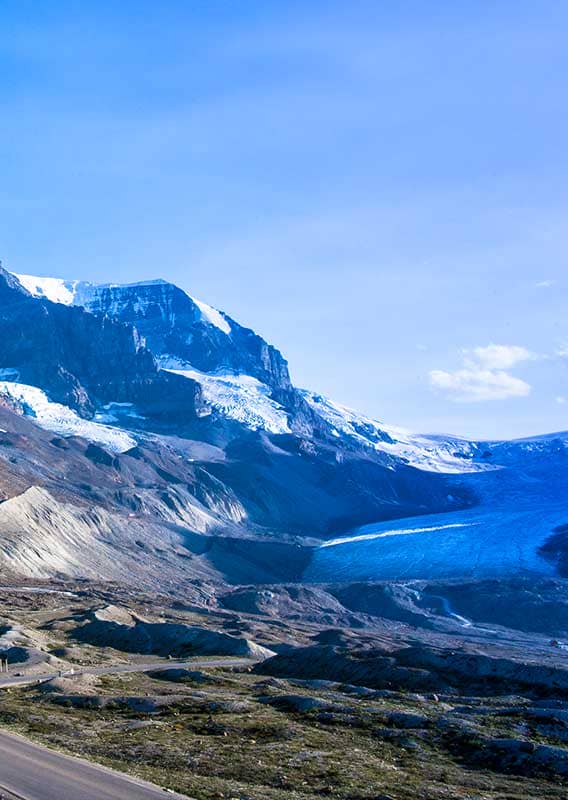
(6, 681)
(31, 772)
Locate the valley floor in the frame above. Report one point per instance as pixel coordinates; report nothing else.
(386, 711)
(224, 735)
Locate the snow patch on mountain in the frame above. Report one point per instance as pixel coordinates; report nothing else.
(429, 453)
(55, 289)
(212, 316)
(64, 421)
(239, 397)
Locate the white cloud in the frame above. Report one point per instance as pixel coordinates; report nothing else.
(477, 385)
(485, 375)
(498, 356)
(561, 400)
(545, 284)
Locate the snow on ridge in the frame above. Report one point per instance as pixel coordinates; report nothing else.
(63, 420)
(212, 316)
(133, 285)
(57, 290)
(237, 396)
(431, 454)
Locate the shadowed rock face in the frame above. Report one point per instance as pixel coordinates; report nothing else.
(83, 360)
(172, 323)
(416, 668)
(108, 629)
(555, 549)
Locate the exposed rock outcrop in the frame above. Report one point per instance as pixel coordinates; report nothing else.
(83, 360)
(174, 323)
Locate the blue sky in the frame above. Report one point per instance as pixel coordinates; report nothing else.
(380, 189)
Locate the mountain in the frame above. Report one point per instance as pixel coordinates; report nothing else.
(174, 324)
(242, 376)
(172, 440)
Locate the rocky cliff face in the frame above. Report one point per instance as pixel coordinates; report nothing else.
(83, 360)
(173, 323)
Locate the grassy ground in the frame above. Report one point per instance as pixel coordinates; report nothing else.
(214, 739)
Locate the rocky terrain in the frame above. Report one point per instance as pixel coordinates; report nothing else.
(421, 711)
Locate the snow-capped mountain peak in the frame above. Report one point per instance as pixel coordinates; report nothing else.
(172, 323)
(57, 290)
(243, 378)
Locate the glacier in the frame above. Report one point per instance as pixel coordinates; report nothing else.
(239, 397)
(520, 504)
(476, 543)
(64, 421)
